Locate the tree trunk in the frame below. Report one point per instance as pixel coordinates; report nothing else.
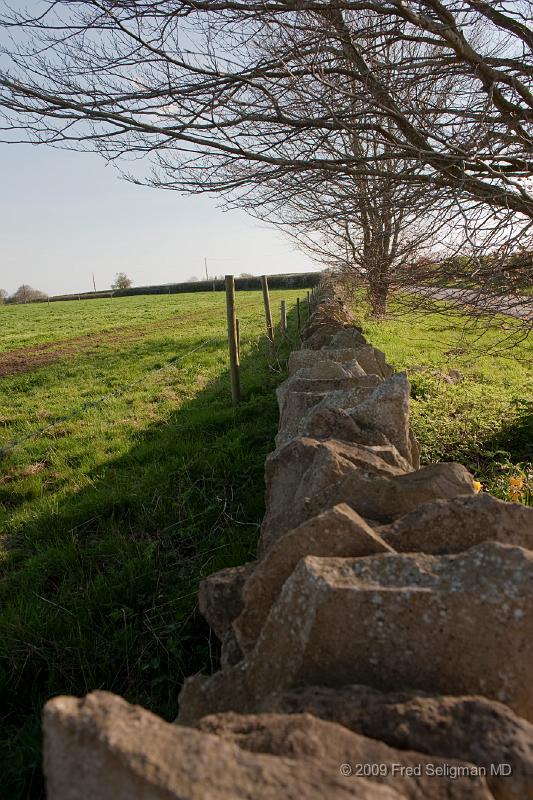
(378, 278)
(377, 293)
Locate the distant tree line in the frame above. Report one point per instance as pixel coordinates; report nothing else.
(24, 294)
(27, 294)
(301, 280)
(122, 287)
(374, 134)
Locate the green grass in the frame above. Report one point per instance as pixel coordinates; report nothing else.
(485, 421)
(110, 519)
(37, 323)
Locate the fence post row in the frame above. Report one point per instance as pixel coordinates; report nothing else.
(283, 320)
(268, 312)
(232, 339)
(298, 313)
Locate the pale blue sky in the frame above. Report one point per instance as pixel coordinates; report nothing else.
(64, 215)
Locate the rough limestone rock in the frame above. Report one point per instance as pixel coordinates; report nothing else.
(296, 405)
(329, 419)
(385, 498)
(220, 597)
(230, 650)
(415, 449)
(303, 736)
(339, 531)
(457, 624)
(450, 526)
(369, 358)
(330, 310)
(102, 748)
(361, 386)
(387, 410)
(484, 732)
(295, 494)
(322, 319)
(349, 337)
(331, 370)
(321, 335)
(382, 411)
(321, 376)
(302, 359)
(306, 470)
(349, 394)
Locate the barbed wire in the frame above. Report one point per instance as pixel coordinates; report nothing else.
(10, 446)
(7, 449)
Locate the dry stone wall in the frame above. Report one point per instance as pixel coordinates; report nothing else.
(379, 647)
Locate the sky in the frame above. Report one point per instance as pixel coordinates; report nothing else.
(65, 215)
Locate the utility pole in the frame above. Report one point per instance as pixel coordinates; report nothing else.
(94, 284)
(205, 264)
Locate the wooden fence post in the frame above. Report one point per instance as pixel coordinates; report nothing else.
(283, 320)
(308, 303)
(238, 332)
(232, 340)
(268, 312)
(298, 313)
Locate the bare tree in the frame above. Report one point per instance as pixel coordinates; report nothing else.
(120, 67)
(121, 281)
(196, 86)
(373, 223)
(3, 296)
(27, 294)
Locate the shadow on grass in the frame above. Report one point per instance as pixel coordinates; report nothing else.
(511, 444)
(496, 457)
(516, 438)
(102, 594)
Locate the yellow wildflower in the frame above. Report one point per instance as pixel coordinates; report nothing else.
(515, 488)
(477, 486)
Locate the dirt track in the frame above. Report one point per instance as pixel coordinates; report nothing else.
(26, 359)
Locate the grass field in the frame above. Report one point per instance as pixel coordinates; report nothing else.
(111, 518)
(485, 419)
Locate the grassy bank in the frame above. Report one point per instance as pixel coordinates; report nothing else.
(111, 518)
(471, 396)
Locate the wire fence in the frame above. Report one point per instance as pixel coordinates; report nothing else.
(7, 449)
